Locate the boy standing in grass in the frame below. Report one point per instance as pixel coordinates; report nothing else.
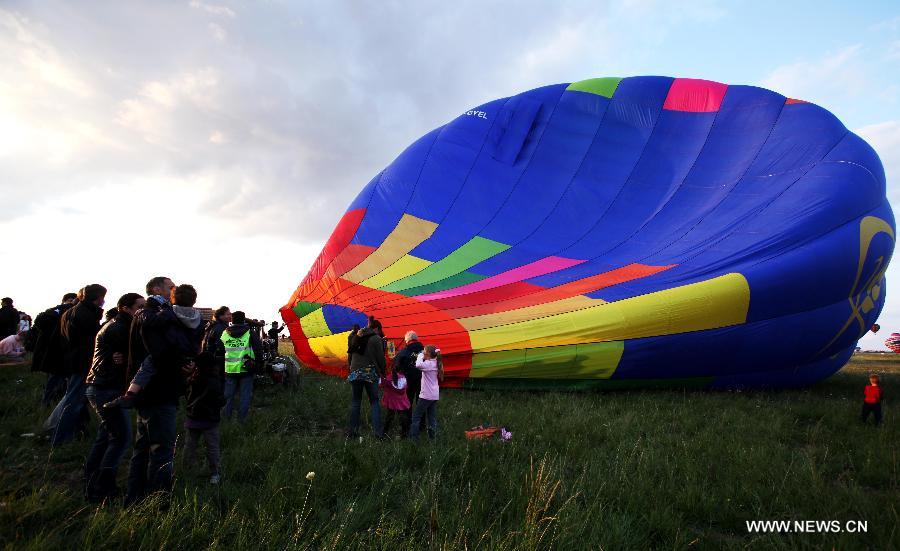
(872, 400)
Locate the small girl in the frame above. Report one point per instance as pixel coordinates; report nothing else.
(395, 401)
(432, 367)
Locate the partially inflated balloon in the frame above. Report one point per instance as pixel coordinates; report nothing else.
(615, 232)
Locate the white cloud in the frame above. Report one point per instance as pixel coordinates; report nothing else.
(819, 81)
(672, 12)
(893, 50)
(35, 60)
(886, 25)
(185, 242)
(556, 57)
(218, 32)
(214, 9)
(885, 138)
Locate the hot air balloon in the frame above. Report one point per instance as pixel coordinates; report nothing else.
(614, 232)
(893, 342)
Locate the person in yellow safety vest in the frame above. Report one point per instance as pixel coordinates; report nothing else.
(240, 354)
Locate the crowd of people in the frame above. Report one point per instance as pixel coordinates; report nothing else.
(147, 353)
(14, 328)
(152, 349)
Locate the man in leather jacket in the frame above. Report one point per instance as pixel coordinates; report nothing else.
(106, 380)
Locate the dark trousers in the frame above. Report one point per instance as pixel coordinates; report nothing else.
(55, 389)
(152, 463)
(404, 415)
(356, 402)
(424, 408)
(871, 408)
(211, 436)
(113, 439)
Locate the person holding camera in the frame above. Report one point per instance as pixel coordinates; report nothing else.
(367, 367)
(240, 350)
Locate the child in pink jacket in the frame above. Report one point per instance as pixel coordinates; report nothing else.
(431, 365)
(395, 401)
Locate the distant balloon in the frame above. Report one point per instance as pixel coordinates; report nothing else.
(893, 342)
(875, 328)
(612, 233)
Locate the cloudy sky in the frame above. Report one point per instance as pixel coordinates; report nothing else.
(220, 142)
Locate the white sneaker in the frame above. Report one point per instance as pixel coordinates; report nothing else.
(215, 479)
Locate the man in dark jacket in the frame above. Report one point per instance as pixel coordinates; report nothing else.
(272, 333)
(9, 318)
(151, 465)
(219, 323)
(79, 326)
(405, 361)
(275, 330)
(105, 381)
(239, 352)
(46, 346)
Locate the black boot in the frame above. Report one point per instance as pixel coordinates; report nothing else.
(106, 485)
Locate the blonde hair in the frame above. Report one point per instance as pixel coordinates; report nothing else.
(434, 352)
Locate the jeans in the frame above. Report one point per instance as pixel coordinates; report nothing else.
(67, 412)
(372, 391)
(152, 466)
(113, 438)
(244, 385)
(211, 436)
(412, 392)
(55, 389)
(424, 408)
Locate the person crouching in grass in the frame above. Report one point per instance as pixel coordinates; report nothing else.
(431, 365)
(205, 398)
(872, 401)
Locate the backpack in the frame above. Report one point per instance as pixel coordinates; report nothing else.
(358, 346)
(44, 322)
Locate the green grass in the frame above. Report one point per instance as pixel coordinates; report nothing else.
(661, 469)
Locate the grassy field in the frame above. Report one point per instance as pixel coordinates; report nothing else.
(619, 470)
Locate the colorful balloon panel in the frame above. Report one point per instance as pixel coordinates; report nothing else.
(613, 233)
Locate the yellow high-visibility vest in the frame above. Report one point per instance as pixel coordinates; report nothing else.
(236, 349)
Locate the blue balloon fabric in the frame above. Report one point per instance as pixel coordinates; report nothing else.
(615, 232)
